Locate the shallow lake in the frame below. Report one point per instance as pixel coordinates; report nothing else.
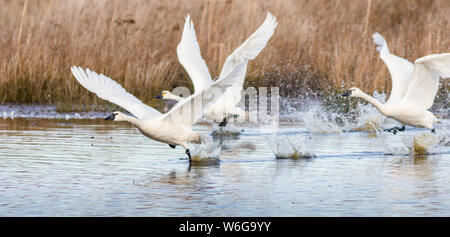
(92, 167)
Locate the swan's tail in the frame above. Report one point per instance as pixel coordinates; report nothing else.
(382, 46)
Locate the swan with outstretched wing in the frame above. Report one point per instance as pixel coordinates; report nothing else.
(401, 70)
(190, 58)
(414, 87)
(173, 127)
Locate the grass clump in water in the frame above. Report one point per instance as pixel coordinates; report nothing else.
(295, 155)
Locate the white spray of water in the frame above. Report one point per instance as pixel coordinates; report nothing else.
(443, 131)
(420, 144)
(205, 153)
(283, 148)
(318, 121)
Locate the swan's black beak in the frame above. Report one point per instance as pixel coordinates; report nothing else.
(348, 93)
(111, 117)
(159, 96)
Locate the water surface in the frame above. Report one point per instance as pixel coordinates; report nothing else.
(92, 167)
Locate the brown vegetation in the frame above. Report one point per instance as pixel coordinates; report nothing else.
(319, 45)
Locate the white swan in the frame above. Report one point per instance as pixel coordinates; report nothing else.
(189, 55)
(173, 127)
(413, 87)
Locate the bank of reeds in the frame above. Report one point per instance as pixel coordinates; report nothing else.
(318, 46)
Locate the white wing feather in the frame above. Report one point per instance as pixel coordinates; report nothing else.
(425, 82)
(251, 47)
(245, 52)
(190, 58)
(107, 89)
(189, 110)
(401, 70)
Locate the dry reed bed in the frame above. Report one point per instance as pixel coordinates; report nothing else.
(319, 45)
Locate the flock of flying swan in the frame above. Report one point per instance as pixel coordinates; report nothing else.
(414, 87)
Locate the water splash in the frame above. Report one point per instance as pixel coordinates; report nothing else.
(416, 146)
(317, 121)
(444, 140)
(323, 118)
(313, 114)
(205, 154)
(369, 120)
(421, 144)
(229, 130)
(443, 131)
(283, 148)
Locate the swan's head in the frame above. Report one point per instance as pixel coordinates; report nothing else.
(164, 95)
(116, 116)
(167, 95)
(353, 92)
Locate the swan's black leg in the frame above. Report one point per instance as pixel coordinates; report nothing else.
(189, 155)
(223, 123)
(395, 129)
(172, 146)
(392, 130)
(433, 131)
(228, 117)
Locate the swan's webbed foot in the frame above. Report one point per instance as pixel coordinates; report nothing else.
(433, 131)
(189, 155)
(395, 129)
(172, 146)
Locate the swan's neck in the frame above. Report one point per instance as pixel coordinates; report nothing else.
(130, 119)
(380, 106)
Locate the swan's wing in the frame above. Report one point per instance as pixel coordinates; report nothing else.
(251, 47)
(401, 70)
(425, 82)
(190, 58)
(107, 89)
(189, 110)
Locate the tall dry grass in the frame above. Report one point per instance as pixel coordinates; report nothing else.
(319, 45)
